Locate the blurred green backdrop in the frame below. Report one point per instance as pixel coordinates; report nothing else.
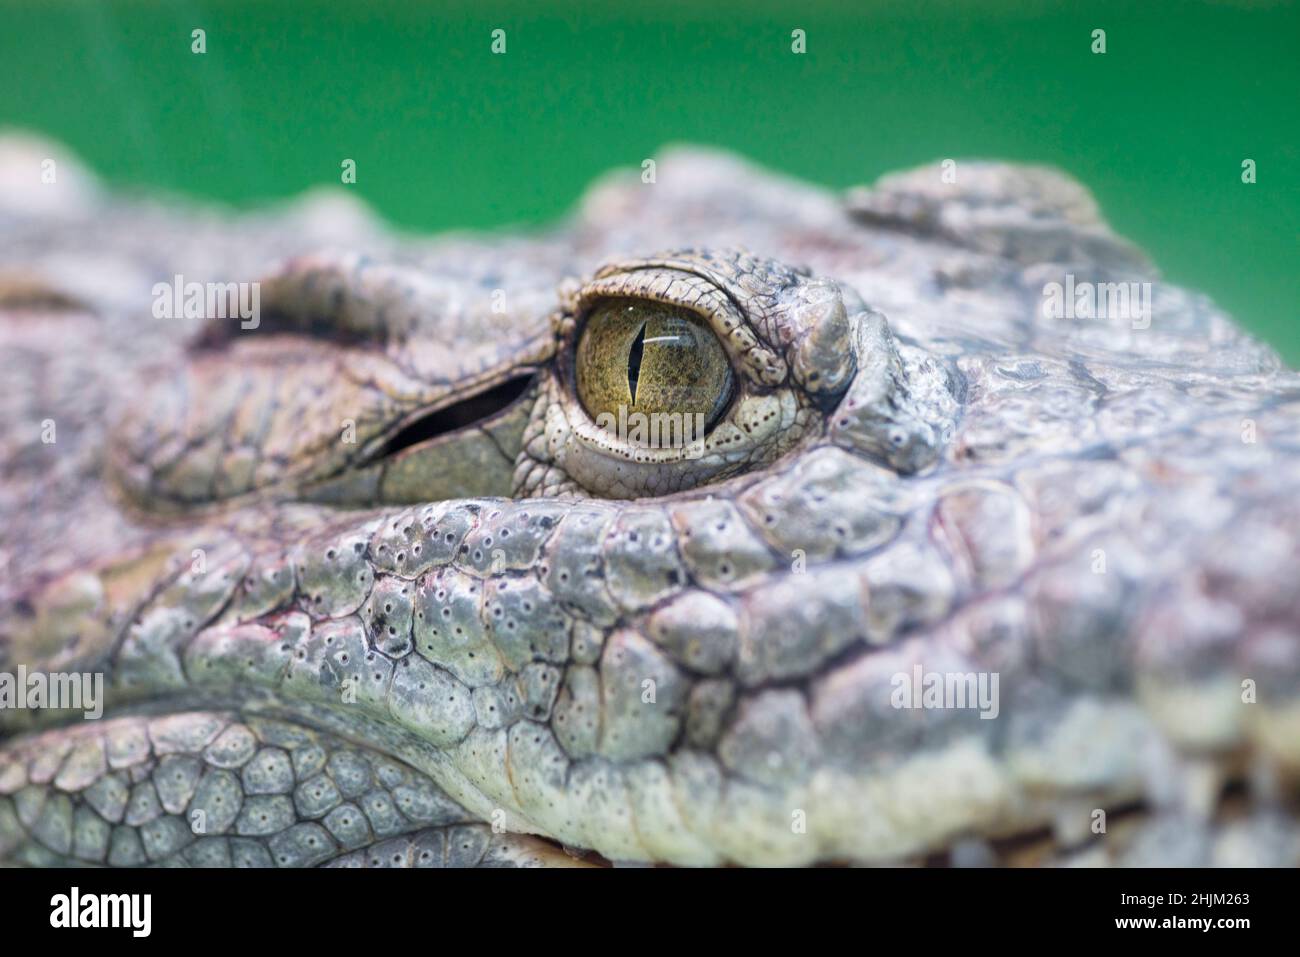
(446, 134)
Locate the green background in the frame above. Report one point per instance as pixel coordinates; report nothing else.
(447, 135)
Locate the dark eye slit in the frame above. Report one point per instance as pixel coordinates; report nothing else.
(458, 415)
(634, 362)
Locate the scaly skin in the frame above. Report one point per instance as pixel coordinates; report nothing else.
(372, 655)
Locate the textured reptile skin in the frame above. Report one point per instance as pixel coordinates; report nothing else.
(525, 628)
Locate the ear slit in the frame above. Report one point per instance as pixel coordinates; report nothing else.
(458, 415)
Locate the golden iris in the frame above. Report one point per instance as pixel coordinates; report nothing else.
(646, 357)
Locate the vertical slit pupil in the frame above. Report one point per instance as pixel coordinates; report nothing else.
(634, 362)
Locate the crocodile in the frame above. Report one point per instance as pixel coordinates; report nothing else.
(974, 560)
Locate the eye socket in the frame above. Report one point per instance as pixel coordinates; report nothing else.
(651, 358)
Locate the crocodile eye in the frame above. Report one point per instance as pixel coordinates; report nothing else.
(640, 356)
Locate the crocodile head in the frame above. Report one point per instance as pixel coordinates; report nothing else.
(732, 521)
